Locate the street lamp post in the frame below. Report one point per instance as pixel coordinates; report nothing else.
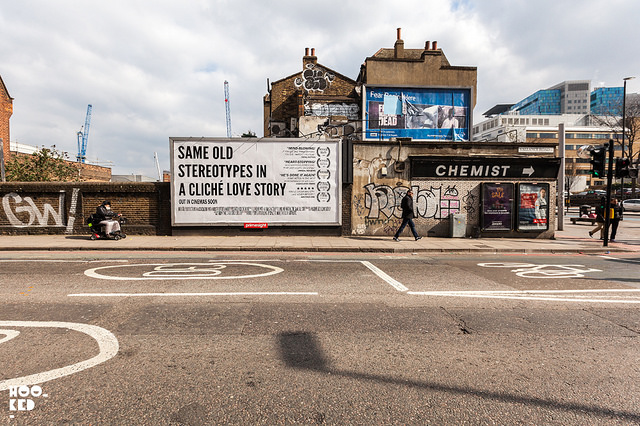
(624, 122)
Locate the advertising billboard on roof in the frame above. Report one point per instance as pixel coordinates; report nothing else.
(418, 113)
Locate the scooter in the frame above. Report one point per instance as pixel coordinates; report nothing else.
(98, 231)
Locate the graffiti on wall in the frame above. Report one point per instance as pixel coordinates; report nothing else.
(314, 78)
(383, 201)
(23, 212)
(351, 111)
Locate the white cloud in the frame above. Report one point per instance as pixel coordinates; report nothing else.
(155, 69)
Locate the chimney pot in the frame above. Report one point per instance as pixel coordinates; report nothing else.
(399, 33)
(427, 45)
(313, 51)
(435, 45)
(306, 51)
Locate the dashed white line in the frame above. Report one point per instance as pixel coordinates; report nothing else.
(379, 272)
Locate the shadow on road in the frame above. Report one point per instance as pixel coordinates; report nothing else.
(301, 350)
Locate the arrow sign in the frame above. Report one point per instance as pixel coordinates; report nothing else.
(528, 171)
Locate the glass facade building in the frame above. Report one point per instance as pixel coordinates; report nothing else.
(541, 102)
(607, 101)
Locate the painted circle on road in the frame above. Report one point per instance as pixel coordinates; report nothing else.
(184, 271)
(107, 343)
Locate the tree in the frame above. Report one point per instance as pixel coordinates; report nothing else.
(631, 128)
(44, 165)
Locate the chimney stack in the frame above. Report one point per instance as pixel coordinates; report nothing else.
(309, 59)
(399, 46)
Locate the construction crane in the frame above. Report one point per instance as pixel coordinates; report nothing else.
(83, 136)
(226, 106)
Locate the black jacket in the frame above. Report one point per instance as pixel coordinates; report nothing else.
(407, 207)
(103, 214)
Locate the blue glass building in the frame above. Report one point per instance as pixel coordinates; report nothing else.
(542, 102)
(607, 101)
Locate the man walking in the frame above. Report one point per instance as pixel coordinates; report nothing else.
(407, 216)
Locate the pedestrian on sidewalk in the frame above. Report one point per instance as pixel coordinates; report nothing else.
(407, 216)
(599, 218)
(616, 215)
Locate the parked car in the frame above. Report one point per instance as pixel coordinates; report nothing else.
(632, 205)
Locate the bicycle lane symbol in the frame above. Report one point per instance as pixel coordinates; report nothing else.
(531, 270)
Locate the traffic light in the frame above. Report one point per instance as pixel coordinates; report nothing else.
(622, 167)
(598, 160)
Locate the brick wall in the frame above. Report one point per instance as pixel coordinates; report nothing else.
(62, 208)
(6, 110)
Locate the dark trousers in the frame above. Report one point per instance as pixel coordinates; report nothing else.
(614, 228)
(412, 226)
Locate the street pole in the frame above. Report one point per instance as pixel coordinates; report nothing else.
(607, 206)
(624, 122)
(560, 194)
(624, 117)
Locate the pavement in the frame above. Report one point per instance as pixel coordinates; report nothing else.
(572, 239)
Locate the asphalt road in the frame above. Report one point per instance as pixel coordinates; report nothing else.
(271, 338)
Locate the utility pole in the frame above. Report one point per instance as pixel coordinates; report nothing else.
(607, 206)
(560, 185)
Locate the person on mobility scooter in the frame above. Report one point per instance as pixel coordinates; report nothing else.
(109, 227)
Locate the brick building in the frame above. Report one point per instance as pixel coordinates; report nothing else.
(311, 102)
(413, 131)
(6, 110)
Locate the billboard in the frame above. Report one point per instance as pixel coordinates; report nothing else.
(417, 113)
(217, 181)
(533, 206)
(497, 206)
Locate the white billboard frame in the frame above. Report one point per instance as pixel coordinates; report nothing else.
(308, 208)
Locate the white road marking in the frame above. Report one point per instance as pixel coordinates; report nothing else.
(531, 270)
(107, 344)
(274, 293)
(620, 260)
(183, 271)
(379, 272)
(535, 295)
(9, 334)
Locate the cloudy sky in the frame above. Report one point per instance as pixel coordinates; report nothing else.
(156, 68)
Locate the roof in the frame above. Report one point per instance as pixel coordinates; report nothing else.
(3, 87)
(498, 109)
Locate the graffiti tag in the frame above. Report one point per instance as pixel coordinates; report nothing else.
(25, 208)
(436, 202)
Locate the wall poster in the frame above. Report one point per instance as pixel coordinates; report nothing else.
(533, 206)
(497, 206)
(216, 181)
(417, 113)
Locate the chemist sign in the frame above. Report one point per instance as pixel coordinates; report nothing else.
(218, 181)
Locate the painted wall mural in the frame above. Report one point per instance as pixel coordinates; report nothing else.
(314, 79)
